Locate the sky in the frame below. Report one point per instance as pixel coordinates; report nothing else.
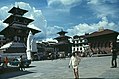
(76, 17)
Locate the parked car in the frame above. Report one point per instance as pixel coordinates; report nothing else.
(16, 61)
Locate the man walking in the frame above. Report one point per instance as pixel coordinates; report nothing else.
(75, 60)
(21, 64)
(114, 58)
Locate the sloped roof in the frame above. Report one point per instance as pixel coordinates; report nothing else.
(12, 44)
(62, 32)
(5, 30)
(11, 19)
(59, 37)
(19, 11)
(77, 36)
(104, 32)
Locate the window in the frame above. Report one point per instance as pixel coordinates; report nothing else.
(15, 38)
(77, 45)
(108, 44)
(74, 49)
(81, 48)
(80, 44)
(73, 42)
(25, 21)
(19, 31)
(80, 40)
(18, 39)
(77, 49)
(76, 42)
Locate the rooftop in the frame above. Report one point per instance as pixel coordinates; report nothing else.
(62, 32)
(103, 32)
(17, 10)
(11, 19)
(12, 44)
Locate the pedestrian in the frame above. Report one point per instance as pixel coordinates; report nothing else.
(75, 60)
(5, 63)
(0, 59)
(21, 64)
(114, 57)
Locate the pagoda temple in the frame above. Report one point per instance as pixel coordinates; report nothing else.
(100, 41)
(16, 32)
(63, 47)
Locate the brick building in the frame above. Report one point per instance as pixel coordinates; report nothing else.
(100, 41)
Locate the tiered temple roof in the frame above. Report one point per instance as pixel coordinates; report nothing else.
(17, 10)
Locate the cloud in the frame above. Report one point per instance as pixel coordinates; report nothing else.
(4, 12)
(2, 25)
(63, 3)
(33, 13)
(39, 22)
(70, 2)
(104, 8)
(50, 39)
(52, 31)
(3, 15)
(83, 28)
(95, 2)
(58, 13)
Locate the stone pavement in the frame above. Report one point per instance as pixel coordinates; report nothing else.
(89, 68)
(98, 68)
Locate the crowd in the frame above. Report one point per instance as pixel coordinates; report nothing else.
(4, 62)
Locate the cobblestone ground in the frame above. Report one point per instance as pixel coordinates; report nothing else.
(91, 67)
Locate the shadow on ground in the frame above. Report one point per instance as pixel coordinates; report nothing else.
(87, 78)
(14, 74)
(91, 78)
(30, 66)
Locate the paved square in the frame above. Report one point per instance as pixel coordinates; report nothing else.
(90, 67)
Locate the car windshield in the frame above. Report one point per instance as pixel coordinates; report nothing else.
(18, 59)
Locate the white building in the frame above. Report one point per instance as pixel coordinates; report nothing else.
(80, 44)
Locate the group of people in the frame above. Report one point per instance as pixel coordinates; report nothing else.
(4, 62)
(75, 60)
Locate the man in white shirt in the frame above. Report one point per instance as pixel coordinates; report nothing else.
(75, 62)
